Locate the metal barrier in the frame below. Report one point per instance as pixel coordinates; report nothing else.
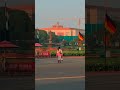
(20, 67)
(43, 54)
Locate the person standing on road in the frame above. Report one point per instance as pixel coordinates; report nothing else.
(59, 54)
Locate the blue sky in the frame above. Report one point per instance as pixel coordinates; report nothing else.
(47, 9)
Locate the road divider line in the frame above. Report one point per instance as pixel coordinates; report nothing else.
(56, 78)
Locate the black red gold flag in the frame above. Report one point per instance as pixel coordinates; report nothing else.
(80, 36)
(109, 24)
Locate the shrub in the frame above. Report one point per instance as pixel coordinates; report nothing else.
(70, 53)
(103, 67)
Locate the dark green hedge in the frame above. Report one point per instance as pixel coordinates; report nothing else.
(70, 53)
(103, 67)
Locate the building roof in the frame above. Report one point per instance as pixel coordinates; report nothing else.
(27, 8)
(106, 3)
(59, 27)
(53, 28)
(102, 7)
(24, 7)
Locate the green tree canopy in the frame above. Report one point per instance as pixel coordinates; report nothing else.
(20, 27)
(55, 38)
(18, 24)
(41, 36)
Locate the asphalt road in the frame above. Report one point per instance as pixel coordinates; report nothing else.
(102, 81)
(68, 75)
(17, 83)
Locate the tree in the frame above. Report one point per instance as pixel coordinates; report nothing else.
(20, 27)
(41, 36)
(72, 43)
(55, 38)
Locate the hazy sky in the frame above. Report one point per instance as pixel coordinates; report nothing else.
(47, 9)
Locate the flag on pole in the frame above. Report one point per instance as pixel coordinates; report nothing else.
(109, 24)
(80, 36)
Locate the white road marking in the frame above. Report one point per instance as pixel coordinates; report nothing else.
(56, 78)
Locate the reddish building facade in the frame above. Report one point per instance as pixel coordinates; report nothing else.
(59, 30)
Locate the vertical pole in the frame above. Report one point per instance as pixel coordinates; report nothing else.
(4, 60)
(105, 2)
(105, 47)
(6, 28)
(79, 42)
(91, 31)
(50, 39)
(79, 23)
(5, 21)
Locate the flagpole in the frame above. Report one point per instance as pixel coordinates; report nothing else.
(105, 48)
(6, 22)
(105, 33)
(79, 42)
(5, 33)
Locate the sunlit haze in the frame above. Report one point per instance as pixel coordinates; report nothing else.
(66, 12)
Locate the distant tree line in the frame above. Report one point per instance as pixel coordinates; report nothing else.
(42, 36)
(20, 27)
